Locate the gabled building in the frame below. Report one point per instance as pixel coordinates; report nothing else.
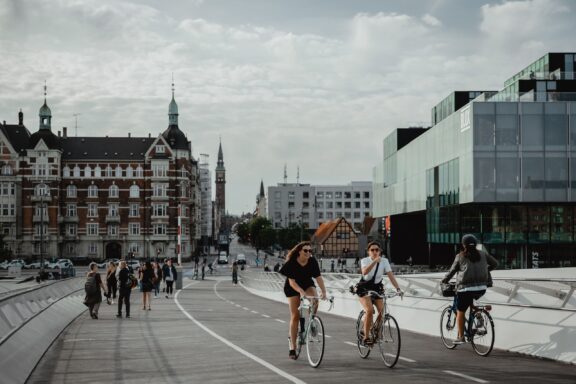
(98, 197)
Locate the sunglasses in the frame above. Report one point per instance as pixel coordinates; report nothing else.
(307, 250)
(374, 249)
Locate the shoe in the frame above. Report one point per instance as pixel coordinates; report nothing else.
(459, 340)
(108, 301)
(144, 308)
(92, 315)
(127, 316)
(149, 308)
(96, 316)
(368, 341)
(292, 354)
(119, 315)
(166, 296)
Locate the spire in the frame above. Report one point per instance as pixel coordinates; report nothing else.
(45, 114)
(220, 155)
(173, 108)
(20, 117)
(262, 188)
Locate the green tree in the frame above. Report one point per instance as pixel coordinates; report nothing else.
(243, 231)
(256, 226)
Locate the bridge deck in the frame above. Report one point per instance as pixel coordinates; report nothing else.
(215, 332)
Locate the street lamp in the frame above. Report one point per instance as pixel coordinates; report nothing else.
(44, 196)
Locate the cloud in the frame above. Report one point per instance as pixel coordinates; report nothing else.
(274, 93)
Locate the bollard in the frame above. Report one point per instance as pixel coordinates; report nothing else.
(180, 275)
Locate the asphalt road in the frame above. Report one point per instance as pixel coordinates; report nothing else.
(215, 332)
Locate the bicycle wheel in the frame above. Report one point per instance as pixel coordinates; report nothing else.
(315, 341)
(482, 333)
(448, 327)
(363, 349)
(389, 341)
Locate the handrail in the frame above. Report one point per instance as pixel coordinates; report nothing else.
(557, 293)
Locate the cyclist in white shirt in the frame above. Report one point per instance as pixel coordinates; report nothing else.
(373, 264)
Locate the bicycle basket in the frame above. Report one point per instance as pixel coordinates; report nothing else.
(448, 289)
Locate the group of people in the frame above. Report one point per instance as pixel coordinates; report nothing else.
(119, 281)
(301, 269)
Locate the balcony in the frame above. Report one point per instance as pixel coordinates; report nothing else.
(160, 238)
(160, 219)
(68, 237)
(40, 198)
(112, 219)
(40, 218)
(68, 219)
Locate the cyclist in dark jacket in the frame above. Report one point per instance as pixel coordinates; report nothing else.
(473, 268)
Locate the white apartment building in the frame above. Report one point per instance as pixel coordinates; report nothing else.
(315, 204)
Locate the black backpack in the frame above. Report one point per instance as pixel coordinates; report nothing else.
(91, 286)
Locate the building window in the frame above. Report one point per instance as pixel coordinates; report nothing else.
(160, 190)
(160, 170)
(113, 210)
(113, 230)
(291, 195)
(160, 149)
(337, 195)
(113, 191)
(134, 191)
(290, 204)
(356, 204)
(338, 204)
(366, 204)
(134, 210)
(93, 248)
(139, 172)
(356, 195)
(118, 171)
(347, 204)
(366, 195)
(92, 229)
(92, 191)
(129, 171)
(305, 204)
(347, 195)
(42, 190)
(87, 171)
(134, 249)
(71, 229)
(66, 171)
(328, 195)
(97, 171)
(159, 229)
(305, 195)
(71, 249)
(134, 228)
(320, 195)
(320, 205)
(71, 210)
(159, 209)
(6, 170)
(71, 191)
(92, 210)
(76, 171)
(108, 171)
(183, 190)
(329, 205)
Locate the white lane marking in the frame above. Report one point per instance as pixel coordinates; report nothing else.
(407, 359)
(260, 361)
(328, 336)
(280, 321)
(254, 312)
(349, 343)
(239, 306)
(244, 308)
(466, 377)
(266, 316)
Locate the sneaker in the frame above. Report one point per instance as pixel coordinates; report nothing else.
(119, 315)
(127, 316)
(108, 301)
(292, 354)
(166, 296)
(459, 340)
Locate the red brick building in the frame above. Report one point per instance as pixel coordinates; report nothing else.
(97, 197)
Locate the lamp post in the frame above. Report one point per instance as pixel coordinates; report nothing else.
(43, 195)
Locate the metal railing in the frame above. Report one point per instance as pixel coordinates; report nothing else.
(540, 293)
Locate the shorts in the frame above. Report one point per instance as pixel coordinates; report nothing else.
(465, 299)
(290, 292)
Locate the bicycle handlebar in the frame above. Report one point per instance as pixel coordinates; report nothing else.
(387, 294)
(330, 298)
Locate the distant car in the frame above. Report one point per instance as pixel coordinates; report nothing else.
(16, 263)
(222, 258)
(4, 265)
(37, 264)
(104, 264)
(241, 259)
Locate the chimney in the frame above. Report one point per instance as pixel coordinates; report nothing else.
(4, 122)
(149, 135)
(64, 132)
(20, 117)
(129, 134)
(58, 133)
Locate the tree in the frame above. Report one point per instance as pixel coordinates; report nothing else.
(243, 231)
(256, 226)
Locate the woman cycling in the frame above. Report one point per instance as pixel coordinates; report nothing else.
(373, 268)
(473, 277)
(299, 269)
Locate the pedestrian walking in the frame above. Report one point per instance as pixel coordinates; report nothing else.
(170, 276)
(93, 288)
(146, 284)
(111, 282)
(157, 279)
(235, 272)
(124, 289)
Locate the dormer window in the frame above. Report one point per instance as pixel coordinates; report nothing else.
(160, 149)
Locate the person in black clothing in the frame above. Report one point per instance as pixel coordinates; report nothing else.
(170, 276)
(124, 289)
(93, 299)
(147, 284)
(299, 269)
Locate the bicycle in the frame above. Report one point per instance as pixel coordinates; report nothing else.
(312, 333)
(384, 331)
(478, 325)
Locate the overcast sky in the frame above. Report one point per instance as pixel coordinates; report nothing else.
(308, 83)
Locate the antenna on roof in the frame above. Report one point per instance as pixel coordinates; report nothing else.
(298, 175)
(76, 123)
(285, 174)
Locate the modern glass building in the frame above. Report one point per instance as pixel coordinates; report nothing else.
(502, 167)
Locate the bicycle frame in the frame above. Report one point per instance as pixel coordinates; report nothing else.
(315, 350)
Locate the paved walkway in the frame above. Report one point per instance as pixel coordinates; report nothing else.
(215, 332)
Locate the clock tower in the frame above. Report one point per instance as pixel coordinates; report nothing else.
(220, 185)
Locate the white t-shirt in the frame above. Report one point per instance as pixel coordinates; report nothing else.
(383, 268)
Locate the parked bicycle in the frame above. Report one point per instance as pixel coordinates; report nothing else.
(479, 326)
(311, 332)
(384, 331)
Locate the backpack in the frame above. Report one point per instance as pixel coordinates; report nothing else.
(91, 286)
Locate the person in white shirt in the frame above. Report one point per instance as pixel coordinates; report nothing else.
(373, 269)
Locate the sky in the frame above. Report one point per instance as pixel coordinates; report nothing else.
(315, 85)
